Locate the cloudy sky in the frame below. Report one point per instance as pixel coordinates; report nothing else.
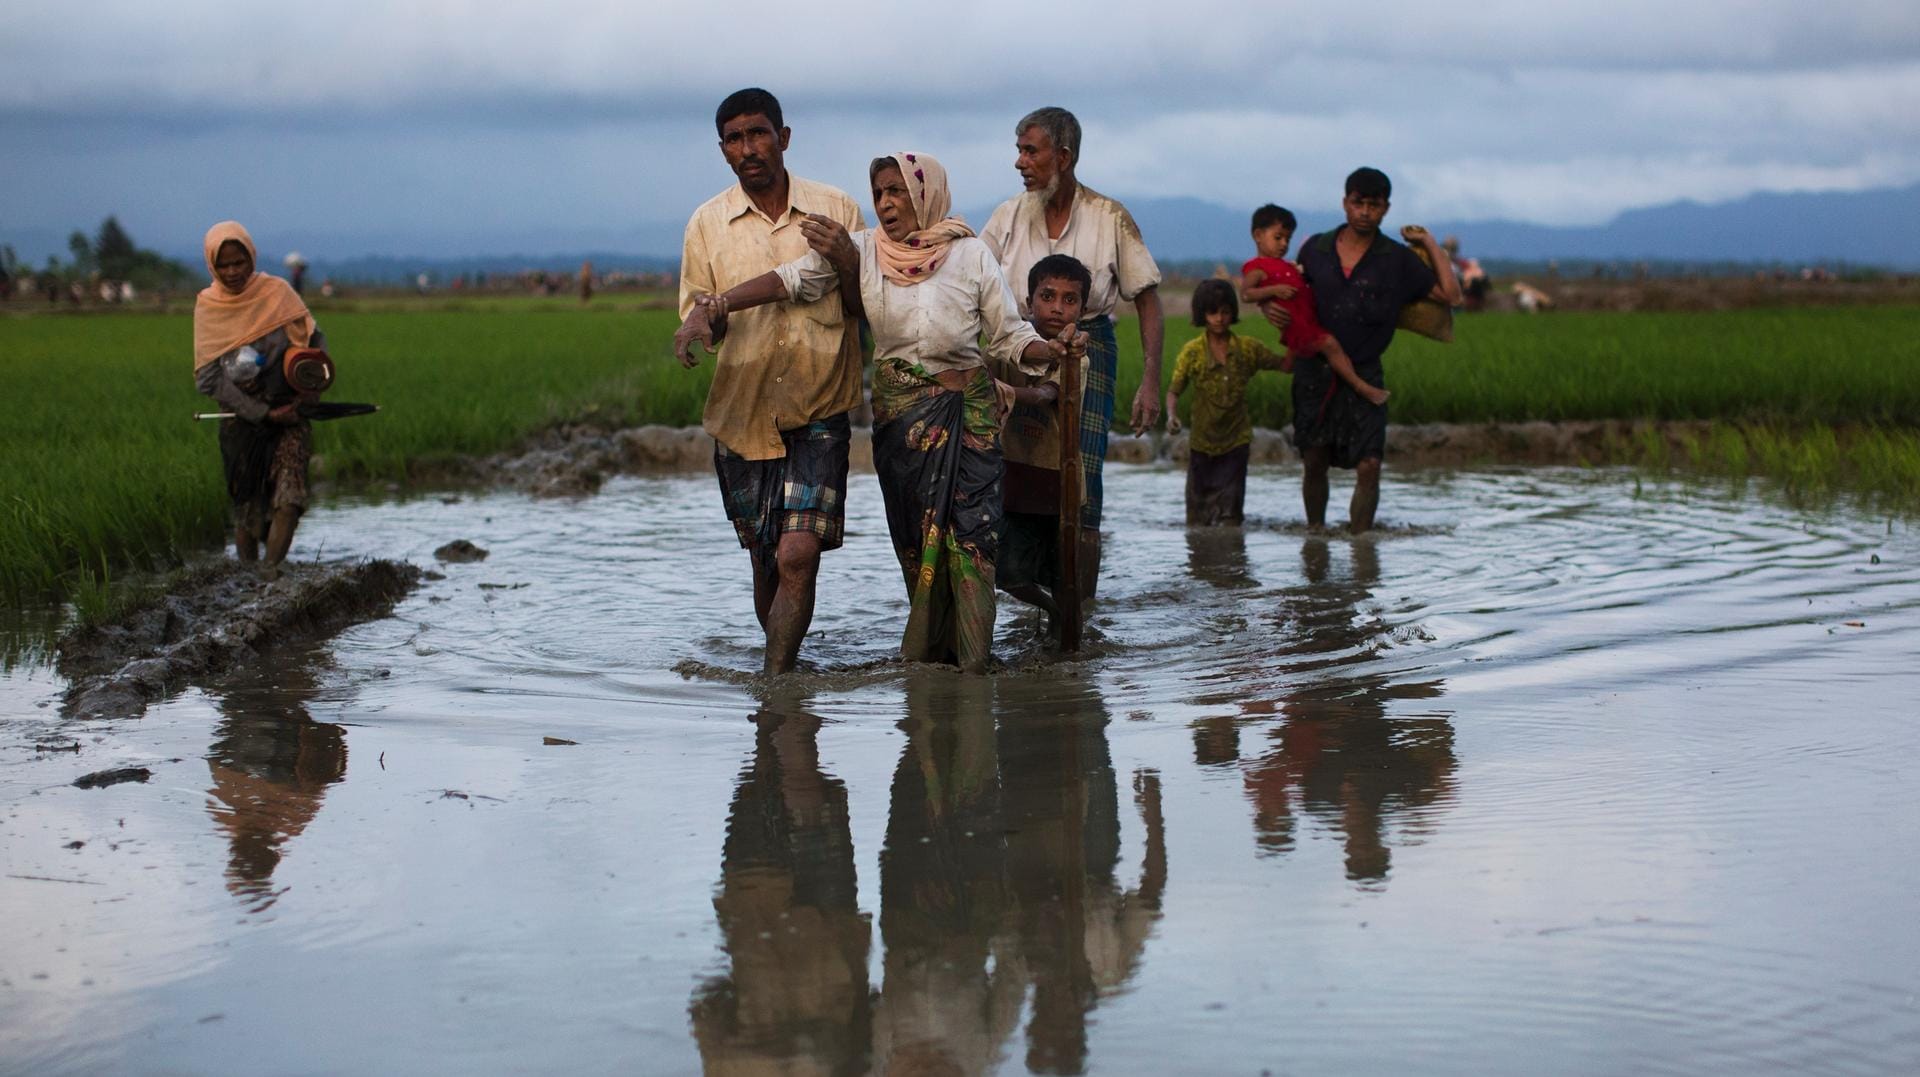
(445, 127)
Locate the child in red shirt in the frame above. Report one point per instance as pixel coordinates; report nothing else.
(1269, 275)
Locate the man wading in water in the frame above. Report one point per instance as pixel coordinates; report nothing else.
(1360, 281)
(1060, 215)
(787, 375)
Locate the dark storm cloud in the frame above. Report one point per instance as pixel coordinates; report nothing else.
(452, 116)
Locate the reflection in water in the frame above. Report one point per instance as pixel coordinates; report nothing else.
(952, 988)
(999, 894)
(271, 764)
(1082, 935)
(1666, 683)
(795, 997)
(1218, 555)
(998, 884)
(1335, 755)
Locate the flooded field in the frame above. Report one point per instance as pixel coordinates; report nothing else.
(1554, 775)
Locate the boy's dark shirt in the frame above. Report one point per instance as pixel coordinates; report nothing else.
(1361, 311)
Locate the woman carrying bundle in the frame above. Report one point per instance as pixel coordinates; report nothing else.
(243, 325)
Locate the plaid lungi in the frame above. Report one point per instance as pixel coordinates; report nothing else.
(1096, 411)
(805, 490)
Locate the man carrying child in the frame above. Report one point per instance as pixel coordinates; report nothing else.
(1360, 280)
(1269, 277)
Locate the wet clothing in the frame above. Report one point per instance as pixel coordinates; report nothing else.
(265, 463)
(1104, 237)
(1361, 310)
(1218, 421)
(935, 324)
(936, 450)
(1221, 429)
(1096, 413)
(1031, 492)
(804, 490)
(1099, 232)
(266, 468)
(1030, 434)
(1029, 550)
(780, 366)
(1305, 334)
(1217, 486)
(937, 453)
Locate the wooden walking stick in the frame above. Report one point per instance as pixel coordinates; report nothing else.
(1066, 594)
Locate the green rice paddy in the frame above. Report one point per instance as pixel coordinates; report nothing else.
(105, 470)
(1799, 367)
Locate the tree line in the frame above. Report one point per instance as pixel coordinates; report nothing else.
(108, 256)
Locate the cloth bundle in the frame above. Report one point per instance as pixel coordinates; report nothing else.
(1427, 316)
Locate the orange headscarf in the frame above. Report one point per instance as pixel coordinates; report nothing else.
(223, 320)
(917, 258)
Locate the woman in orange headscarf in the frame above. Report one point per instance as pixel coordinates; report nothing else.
(243, 324)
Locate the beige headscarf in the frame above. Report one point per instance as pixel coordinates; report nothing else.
(922, 253)
(223, 320)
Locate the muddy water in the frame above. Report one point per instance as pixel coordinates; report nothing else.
(1553, 776)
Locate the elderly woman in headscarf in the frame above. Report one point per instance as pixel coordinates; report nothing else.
(931, 291)
(243, 325)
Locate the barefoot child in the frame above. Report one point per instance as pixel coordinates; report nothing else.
(1218, 364)
(1028, 564)
(1268, 275)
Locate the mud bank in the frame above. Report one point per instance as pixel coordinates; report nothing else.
(1454, 444)
(215, 617)
(571, 459)
(574, 460)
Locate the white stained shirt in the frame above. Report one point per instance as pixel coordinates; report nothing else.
(1100, 233)
(938, 322)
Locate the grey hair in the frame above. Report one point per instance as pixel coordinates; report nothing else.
(1059, 124)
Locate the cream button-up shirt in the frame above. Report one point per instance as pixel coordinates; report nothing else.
(936, 323)
(1100, 233)
(780, 366)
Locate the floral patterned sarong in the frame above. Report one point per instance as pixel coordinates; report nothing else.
(937, 452)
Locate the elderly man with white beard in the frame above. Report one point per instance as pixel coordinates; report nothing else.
(1059, 215)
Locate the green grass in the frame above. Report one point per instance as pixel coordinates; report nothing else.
(104, 470)
(1812, 464)
(1828, 366)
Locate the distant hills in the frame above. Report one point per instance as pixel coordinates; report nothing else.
(1860, 228)
(1863, 228)
(441, 270)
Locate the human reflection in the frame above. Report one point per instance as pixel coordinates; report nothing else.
(999, 881)
(1335, 756)
(952, 988)
(795, 999)
(1218, 556)
(1083, 934)
(271, 764)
